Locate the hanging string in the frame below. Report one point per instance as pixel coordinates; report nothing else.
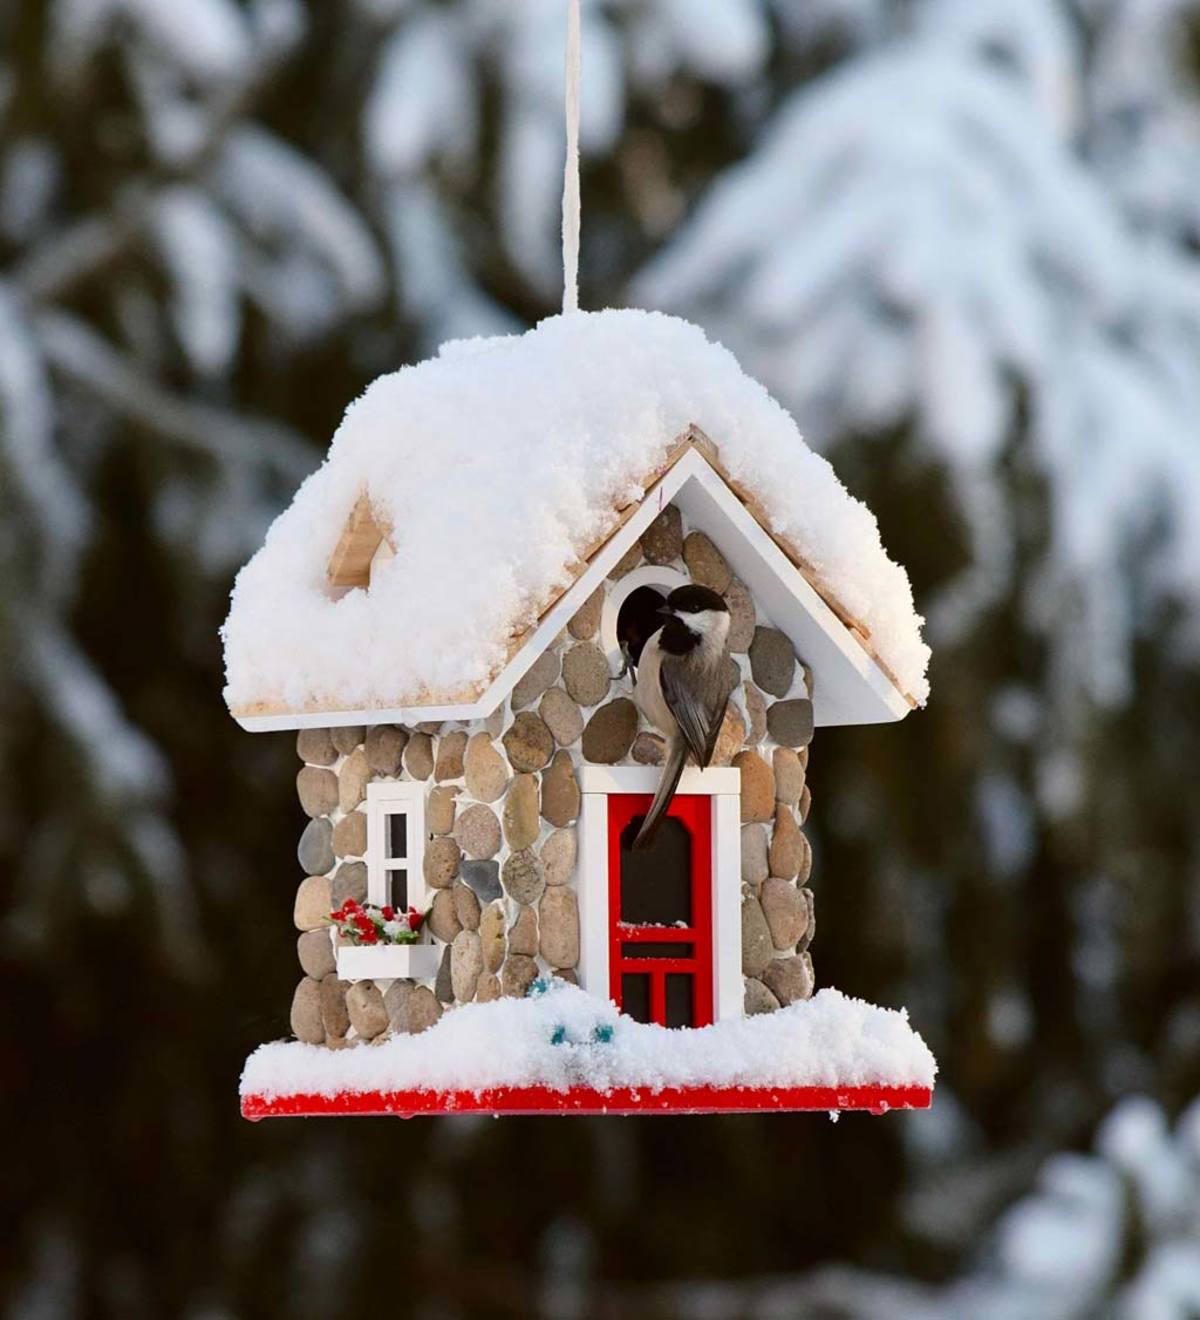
(570, 202)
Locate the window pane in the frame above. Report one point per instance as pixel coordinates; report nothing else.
(397, 844)
(656, 882)
(635, 995)
(680, 986)
(654, 949)
(397, 888)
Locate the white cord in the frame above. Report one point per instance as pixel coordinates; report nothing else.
(570, 203)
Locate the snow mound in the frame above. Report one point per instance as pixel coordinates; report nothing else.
(497, 463)
(566, 1037)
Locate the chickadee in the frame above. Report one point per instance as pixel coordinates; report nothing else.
(682, 687)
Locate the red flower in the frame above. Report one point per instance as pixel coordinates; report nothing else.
(387, 912)
(369, 936)
(415, 919)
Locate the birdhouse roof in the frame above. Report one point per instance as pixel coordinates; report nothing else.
(491, 484)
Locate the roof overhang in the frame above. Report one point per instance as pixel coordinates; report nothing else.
(851, 684)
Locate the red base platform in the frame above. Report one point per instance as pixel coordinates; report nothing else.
(586, 1100)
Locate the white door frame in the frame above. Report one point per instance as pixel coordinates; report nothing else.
(723, 785)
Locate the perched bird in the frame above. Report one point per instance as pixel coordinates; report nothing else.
(683, 685)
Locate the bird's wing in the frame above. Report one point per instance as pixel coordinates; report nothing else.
(698, 715)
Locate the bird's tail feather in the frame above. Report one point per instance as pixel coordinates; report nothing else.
(672, 770)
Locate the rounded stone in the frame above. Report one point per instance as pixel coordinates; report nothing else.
(349, 881)
(317, 791)
(560, 791)
(536, 679)
(418, 756)
(757, 947)
(558, 857)
(706, 563)
(523, 933)
(483, 879)
(518, 974)
(488, 988)
(352, 780)
(758, 999)
(563, 717)
(384, 748)
(316, 746)
(627, 563)
(790, 723)
(741, 616)
(306, 1021)
(567, 974)
(494, 724)
(755, 864)
(313, 903)
(411, 1008)
(787, 845)
(431, 727)
(477, 831)
(758, 787)
(585, 674)
(610, 732)
(315, 950)
(522, 876)
(806, 860)
(586, 622)
(558, 920)
(333, 1006)
(649, 749)
(790, 979)
(441, 861)
(810, 919)
(772, 661)
(466, 906)
(756, 713)
(785, 912)
(486, 770)
(805, 805)
(315, 850)
(443, 920)
(730, 738)
(443, 983)
(789, 776)
(450, 749)
(528, 742)
(439, 809)
(662, 541)
(348, 737)
(492, 936)
(364, 1004)
(350, 835)
(522, 814)
(466, 963)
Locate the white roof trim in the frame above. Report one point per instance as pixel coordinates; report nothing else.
(849, 687)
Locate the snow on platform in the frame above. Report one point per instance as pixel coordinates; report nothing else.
(565, 1051)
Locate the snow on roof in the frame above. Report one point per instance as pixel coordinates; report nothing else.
(496, 464)
(830, 1040)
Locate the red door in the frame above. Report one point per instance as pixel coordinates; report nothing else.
(660, 912)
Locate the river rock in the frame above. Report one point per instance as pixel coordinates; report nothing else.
(560, 791)
(364, 1004)
(756, 714)
(350, 835)
(772, 661)
(439, 809)
(755, 866)
(784, 910)
(758, 999)
(353, 778)
(558, 857)
(610, 732)
(562, 716)
(384, 748)
(790, 979)
(787, 845)
(315, 950)
(466, 906)
(522, 812)
(523, 933)
(536, 679)
(585, 674)
(706, 563)
(558, 919)
(443, 984)
(756, 937)
(317, 790)
(741, 616)
(586, 622)
(411, 1008)
(313, 903)
(477, 831)
(522, 876)
(483, 879)
(315, 850)
(791, 722)
(316, 746)
(758, 787)
(627, 563)
(649, 749)
(333, 1006)
(466, 963)
(518, 974)
(348, 737)
(486, 770)
(528, 742)
(662, 541)
(789, 776)
(349, 882)
(441, 862)
(488, 988)
(306, 1021)
(443, 920)
(450, 749)
(492, 936)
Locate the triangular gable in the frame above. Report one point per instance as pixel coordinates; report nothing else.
(360, 541)
(853, 686)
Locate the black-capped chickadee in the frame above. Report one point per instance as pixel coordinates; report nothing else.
(682, 687)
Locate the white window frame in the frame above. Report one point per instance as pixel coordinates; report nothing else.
(384, 800)
(724, 785)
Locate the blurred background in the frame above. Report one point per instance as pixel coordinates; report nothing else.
(960, 240)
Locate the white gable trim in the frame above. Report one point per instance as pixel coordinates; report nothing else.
(850, 687)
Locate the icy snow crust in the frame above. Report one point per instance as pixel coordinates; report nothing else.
(830, 1040)
(498, 463)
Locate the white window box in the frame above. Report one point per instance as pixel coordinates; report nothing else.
(382, 962)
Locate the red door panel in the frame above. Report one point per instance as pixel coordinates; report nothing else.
(660, 912)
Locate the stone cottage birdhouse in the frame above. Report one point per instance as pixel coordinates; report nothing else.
(445, 615)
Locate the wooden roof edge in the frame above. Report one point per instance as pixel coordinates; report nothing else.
(350, 563)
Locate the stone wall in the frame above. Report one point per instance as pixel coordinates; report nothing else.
(503, 804)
